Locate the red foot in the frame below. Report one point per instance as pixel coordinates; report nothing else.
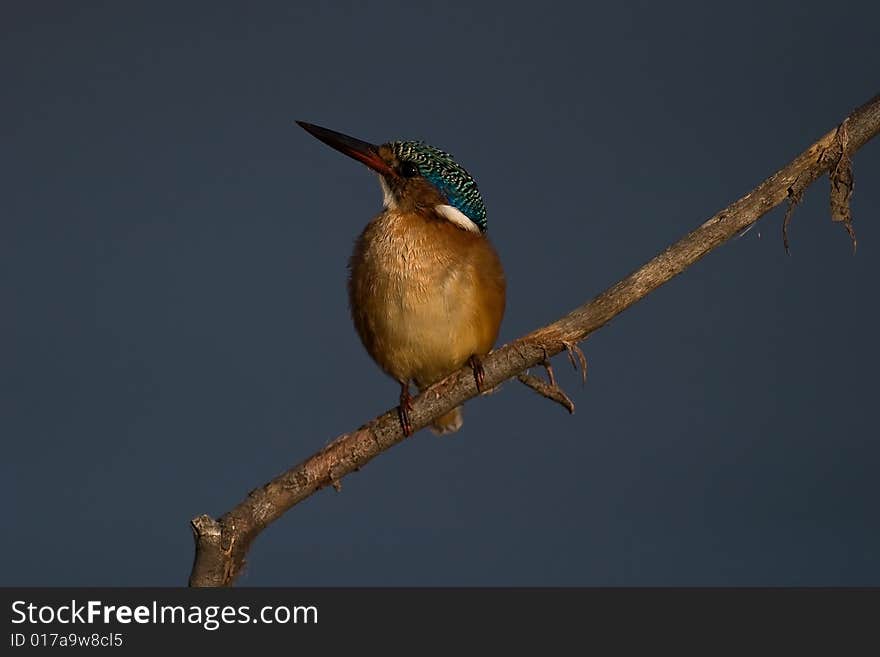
(404, 409)
(479, 375)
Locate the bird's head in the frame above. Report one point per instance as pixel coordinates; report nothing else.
(415, 177)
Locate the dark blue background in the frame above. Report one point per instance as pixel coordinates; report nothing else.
(174, 324)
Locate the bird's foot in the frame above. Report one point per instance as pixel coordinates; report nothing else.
(479, 374)
(404, 409)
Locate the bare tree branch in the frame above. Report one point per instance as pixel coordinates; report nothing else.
(221, 545)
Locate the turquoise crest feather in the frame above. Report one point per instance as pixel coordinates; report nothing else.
(441, 170)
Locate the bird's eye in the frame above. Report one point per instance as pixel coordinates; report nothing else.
(409, 169)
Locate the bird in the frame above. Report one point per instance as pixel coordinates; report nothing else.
(426, 288)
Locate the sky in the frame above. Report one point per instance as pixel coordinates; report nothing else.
(175, 328)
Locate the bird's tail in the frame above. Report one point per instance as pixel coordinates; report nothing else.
(448, 423)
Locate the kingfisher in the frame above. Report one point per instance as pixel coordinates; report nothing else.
(426, 288)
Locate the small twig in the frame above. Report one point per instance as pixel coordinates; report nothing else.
(551, 392)
(573, 350)
(550, 375)
(549, 389)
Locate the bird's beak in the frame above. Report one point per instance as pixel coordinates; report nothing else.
(359, 150)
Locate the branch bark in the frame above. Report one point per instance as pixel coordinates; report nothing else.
(222, 545)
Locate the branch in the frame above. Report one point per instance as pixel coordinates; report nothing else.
(550, 389)
(221, 545)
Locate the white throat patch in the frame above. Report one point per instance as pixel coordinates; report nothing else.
(387, 197)
(457, 217)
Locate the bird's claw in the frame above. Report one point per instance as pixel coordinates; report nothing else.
(479, 374)
(404, 409)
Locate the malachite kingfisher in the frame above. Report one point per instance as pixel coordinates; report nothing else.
(426, 288)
